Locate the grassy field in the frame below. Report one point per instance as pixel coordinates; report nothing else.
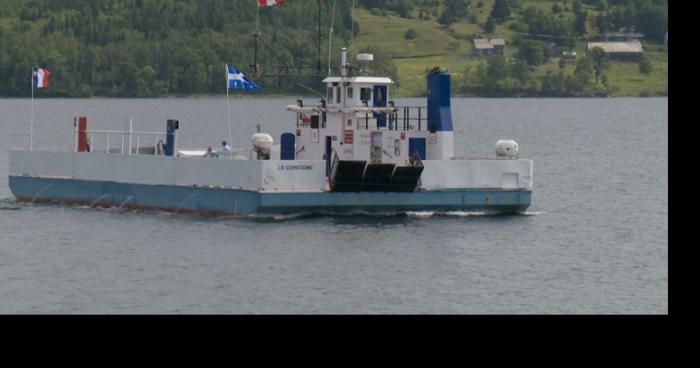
(450, 48)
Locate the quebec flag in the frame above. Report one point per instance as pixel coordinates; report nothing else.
(40, 77)
(237, 80)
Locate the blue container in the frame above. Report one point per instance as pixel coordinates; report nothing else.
(172, 126)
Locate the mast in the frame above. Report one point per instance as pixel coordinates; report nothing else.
(256, 35)
(318, 65)
(330, 39)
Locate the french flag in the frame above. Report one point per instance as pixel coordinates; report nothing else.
(262, 3)
(41, 77)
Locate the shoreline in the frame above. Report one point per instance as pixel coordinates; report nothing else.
(174, 97)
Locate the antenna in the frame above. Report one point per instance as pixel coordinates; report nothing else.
(318, 66)
(256, 35)
(352, 25)
(330, 38)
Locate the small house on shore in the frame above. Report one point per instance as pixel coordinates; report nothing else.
(488, 46)
(627, 51)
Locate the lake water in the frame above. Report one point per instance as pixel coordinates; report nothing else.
(594, 241)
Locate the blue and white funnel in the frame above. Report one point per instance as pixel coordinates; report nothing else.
(439, 112)
(441, 145)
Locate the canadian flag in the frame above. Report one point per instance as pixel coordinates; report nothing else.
(262, 3)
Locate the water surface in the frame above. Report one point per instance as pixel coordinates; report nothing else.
(595, 239)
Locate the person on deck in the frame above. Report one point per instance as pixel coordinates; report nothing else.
(226, 147)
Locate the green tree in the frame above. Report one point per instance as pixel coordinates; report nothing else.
(404, 9)
(532, 52)
(584, 69)
(490, 25)
(653, 22)
(410, 34)
(645, 66)
(577, 7)
(501, 10)
(600, 62)
(454, 11)
(521, 71)
(602, 5)
(580, 22)
(604, 81)
(539, 22)
(602, 23)
(497, 73)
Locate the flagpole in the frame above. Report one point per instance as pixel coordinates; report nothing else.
(257, 17)
(228, 103)
(31, 119)
(256, 35)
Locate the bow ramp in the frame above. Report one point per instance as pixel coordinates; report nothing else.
(361, 176)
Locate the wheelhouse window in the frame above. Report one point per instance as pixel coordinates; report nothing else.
(350, 91)
(365, 94)
(337, 94)
(381, 98)
(329, 97)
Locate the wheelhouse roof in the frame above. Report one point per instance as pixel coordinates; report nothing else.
(368, 80)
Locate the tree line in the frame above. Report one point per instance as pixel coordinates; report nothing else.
(500, 77)
(142, 48)
(154, 47)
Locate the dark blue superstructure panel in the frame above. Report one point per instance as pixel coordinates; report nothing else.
(329, 151)
(380, 100)
(417, 144)
(439, 111)
(287, 146)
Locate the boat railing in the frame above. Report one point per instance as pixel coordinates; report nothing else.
(405, 118)
(299, 70)
(124, 142)
(235, 154)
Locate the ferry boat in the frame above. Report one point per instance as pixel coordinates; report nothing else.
(355, 152)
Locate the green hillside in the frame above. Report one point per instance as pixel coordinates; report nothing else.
(450, 46)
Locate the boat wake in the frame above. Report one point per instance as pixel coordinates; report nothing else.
(428, 214)
(9, 204)
(396, 214)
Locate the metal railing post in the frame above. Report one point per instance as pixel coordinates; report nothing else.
(131, 130)
(75, 135)
(405, 118)
(419, 116)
